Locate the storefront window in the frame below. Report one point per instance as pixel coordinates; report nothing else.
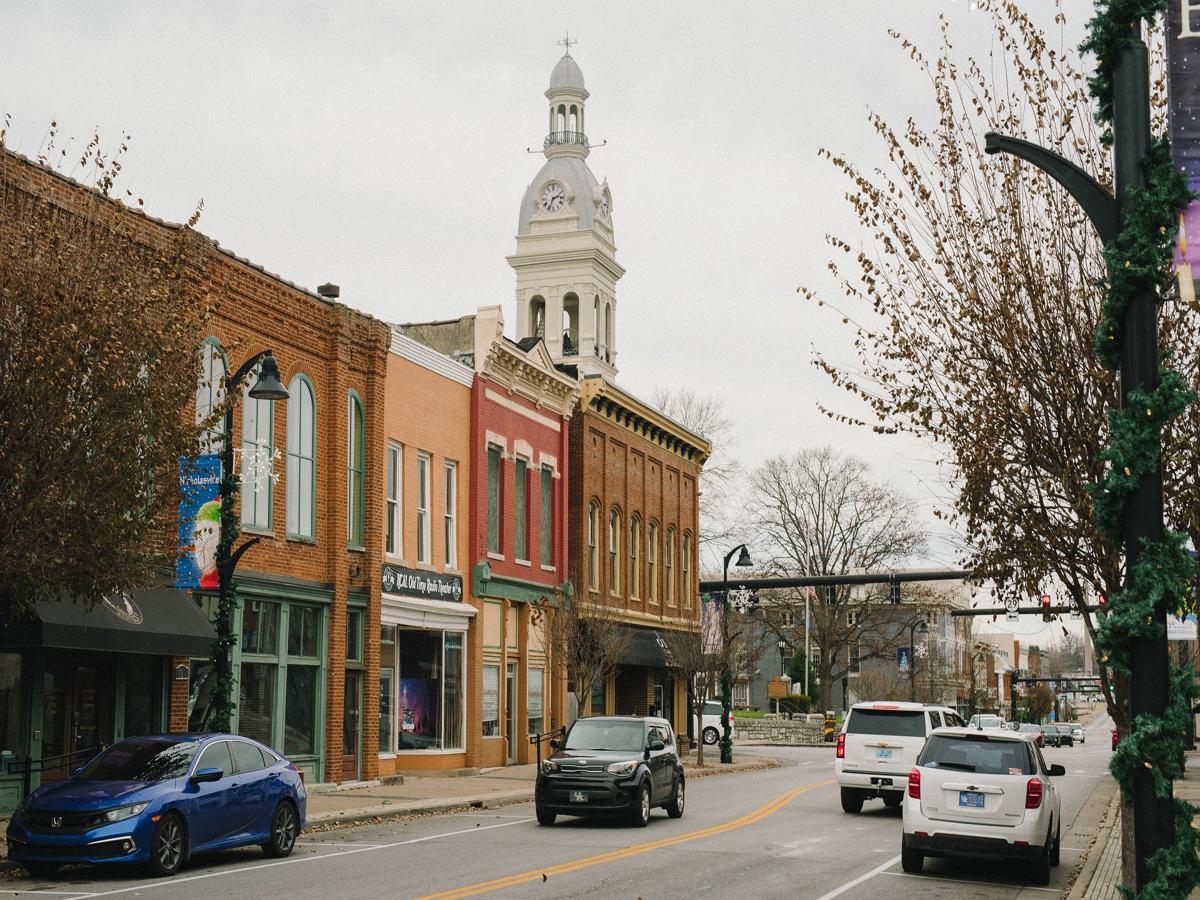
(419, 689)
(536, 699)
(387, 699)
(11, 736)
(491, 701)
(354, 620)
(143, 696)
(300, 732)
(200, 695)
(598, 697)
(256, 702)
(260, 627)
(303, 630)
(452, 710)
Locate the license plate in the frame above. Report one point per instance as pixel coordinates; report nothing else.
(970, 799)
(883, 753)
(579, 796)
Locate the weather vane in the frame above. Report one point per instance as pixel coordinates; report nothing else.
(567, 42)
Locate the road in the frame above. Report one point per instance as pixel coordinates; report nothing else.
(772, 833)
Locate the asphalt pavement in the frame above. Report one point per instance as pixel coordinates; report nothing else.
(770, 833)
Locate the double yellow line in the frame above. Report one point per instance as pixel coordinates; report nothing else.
(587, 862)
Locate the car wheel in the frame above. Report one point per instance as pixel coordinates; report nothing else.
(545, 817)
(1040, 870)
(40, 869)
(710, 735)
(168, 846)
(284, 828)
(911, 861)
(852, 800)
(639, 814)
(675, 807)
(1055, 852)
(892, 800)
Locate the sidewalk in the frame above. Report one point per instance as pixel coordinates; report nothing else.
(426, 794)
(1101, 872)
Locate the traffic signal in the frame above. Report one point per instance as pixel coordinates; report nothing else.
(1101, 600)
(895, 591)
(1046, 617)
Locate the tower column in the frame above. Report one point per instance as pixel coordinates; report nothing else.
(554, 321)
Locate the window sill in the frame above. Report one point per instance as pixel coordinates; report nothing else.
(255, 529)
(356, 548)
(523, 562)
(301, 539)
(396, 560)
(451, 570)
(499, 556)
(425, 566)
(549, 569)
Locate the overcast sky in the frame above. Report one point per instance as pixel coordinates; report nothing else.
(382, 146)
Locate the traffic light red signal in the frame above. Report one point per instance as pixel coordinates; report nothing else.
(1046, 617)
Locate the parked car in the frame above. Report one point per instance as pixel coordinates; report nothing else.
(877, 746)
(987, 720)
(612, 766)
(710, 724)
(983, 794)
(1078, 733)
(158, 800)
(1066, 737)
(1050, 733)
(1034, 732)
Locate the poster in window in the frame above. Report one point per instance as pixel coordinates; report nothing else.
(536, 690)
(491, 693)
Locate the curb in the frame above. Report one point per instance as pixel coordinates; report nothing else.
(1088, 863)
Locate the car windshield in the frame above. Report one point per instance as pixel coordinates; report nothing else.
(890, 722)
(712, 709)
(606, 735)
(1031, 729)
(990, 721)
(971, 753)
(144, 759)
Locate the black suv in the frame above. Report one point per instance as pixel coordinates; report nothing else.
(611, 766)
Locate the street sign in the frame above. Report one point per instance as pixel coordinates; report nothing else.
(1010, 609)
(776, 689)
(1181, 629)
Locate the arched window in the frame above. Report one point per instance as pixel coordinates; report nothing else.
(355, 469)
(614, 552)
(210, 393)
(635, 537)
(669, 564)
(651, 562)
(592, 526)
(608, 331)
(574, 119)
(687, 569)
(570, 325)
(301, 459)
(537, 317)
(596, 325)
(257, 463)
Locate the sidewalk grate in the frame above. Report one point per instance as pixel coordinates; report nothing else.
(1107, 876)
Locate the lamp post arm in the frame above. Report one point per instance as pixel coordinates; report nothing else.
(1098, 203)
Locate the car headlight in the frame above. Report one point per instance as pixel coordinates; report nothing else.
(548, 766)
(623, 768)
(120, 813)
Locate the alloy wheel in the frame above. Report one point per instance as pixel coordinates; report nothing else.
(645, 804)
(285, 829)
(168, 849)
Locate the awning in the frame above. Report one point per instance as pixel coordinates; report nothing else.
(162, 621)
(646, 647)
(432, 615)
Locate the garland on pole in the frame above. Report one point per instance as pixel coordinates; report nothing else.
(1140, 259)
(226, 638)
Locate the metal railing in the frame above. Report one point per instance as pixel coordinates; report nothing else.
(27, 766)
(565, 137)
(537, 739)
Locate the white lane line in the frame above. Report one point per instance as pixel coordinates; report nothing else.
(952, 880)
(335, 844)
(296, 860)
(838, 891)
(7, 891)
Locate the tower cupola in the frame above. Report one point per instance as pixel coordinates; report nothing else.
(566, 136)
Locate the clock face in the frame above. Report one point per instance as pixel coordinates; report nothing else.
(553, 197)
(605, 204)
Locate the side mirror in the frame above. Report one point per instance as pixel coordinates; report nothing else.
(555, 743)
(1056, 769)
(655, 746)
(203, 775)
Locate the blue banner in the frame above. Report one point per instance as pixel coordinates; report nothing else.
(199, 521)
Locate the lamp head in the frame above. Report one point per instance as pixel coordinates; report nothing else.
(268, 386)
(743, 559)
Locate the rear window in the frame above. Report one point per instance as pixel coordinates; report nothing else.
(712, 709)
(976, 753)
(888, 722)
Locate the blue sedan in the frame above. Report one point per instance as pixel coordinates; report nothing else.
(157, 800)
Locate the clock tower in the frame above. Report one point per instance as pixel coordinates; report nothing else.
(565, 262)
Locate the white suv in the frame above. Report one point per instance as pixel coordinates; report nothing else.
(878, 745)
(710, 731)
(981, 794)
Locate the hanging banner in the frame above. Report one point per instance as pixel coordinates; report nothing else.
(199, 522)
(1183, 90)
(710, 622)
(904, 660)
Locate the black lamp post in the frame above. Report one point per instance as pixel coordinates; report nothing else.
(266, 387)
(726, 669)
(1142, 519)
(782, 644)
(914, 628)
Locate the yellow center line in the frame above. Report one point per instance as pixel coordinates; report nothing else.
(599, 859)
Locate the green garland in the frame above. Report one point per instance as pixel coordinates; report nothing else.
(1140, 260)
(226, 638)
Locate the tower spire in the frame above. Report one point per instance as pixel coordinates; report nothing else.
(567, 43)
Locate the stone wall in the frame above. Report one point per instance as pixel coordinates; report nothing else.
(801, 730)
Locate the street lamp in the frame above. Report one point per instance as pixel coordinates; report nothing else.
(782, 647)
(726, 671)
(267, 386)
(914, 629)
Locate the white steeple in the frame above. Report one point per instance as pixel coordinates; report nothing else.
(565, 261)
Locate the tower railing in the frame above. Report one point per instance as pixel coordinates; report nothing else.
(565, 137)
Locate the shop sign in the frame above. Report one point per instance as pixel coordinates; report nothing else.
(199, 521)
(422, 584)
(1181, 628)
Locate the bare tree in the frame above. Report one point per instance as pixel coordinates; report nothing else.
(699, 668)
(817, 512)
(98, 369)
(586, 640)
(1066, 653)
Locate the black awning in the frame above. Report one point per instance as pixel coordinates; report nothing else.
(646, 647)
(162, 621)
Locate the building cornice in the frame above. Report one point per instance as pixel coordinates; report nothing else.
(428, 358)
(520, 261)
(537, 381)
(601, 397)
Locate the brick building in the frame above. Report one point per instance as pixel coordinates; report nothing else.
(520, 409)
(306, 660)
(431, 651)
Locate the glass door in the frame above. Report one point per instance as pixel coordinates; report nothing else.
(351, 719)
(510, 710)
(76, 716)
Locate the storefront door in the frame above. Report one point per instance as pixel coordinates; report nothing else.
(76, 716)
(510, 711)
(351, 722)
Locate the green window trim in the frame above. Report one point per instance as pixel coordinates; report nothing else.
(547, 523)
(210, 391)
(257, 505)
(301, 472)
(493, 499)
(521, 510)
(355, 469)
